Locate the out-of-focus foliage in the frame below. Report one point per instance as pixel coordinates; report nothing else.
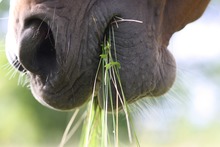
(4, 4)
(23, 120)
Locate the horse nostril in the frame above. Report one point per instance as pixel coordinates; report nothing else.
(37, 53)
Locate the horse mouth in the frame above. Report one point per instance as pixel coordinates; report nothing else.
(39, 54)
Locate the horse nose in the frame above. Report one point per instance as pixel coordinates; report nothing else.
(37, 53)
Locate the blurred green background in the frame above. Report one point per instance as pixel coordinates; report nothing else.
(189, 115)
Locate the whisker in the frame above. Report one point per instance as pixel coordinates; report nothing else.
(42, 21)
(9, 68)
(6, 66)
(22, 80)
(53, 20)
(14, 72)
(56, 34)
(68, 49)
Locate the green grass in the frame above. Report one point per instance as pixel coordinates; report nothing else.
(101, 128)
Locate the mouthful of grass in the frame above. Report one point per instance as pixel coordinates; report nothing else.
(101, 119)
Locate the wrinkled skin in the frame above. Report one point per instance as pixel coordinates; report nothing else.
(58, 44)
